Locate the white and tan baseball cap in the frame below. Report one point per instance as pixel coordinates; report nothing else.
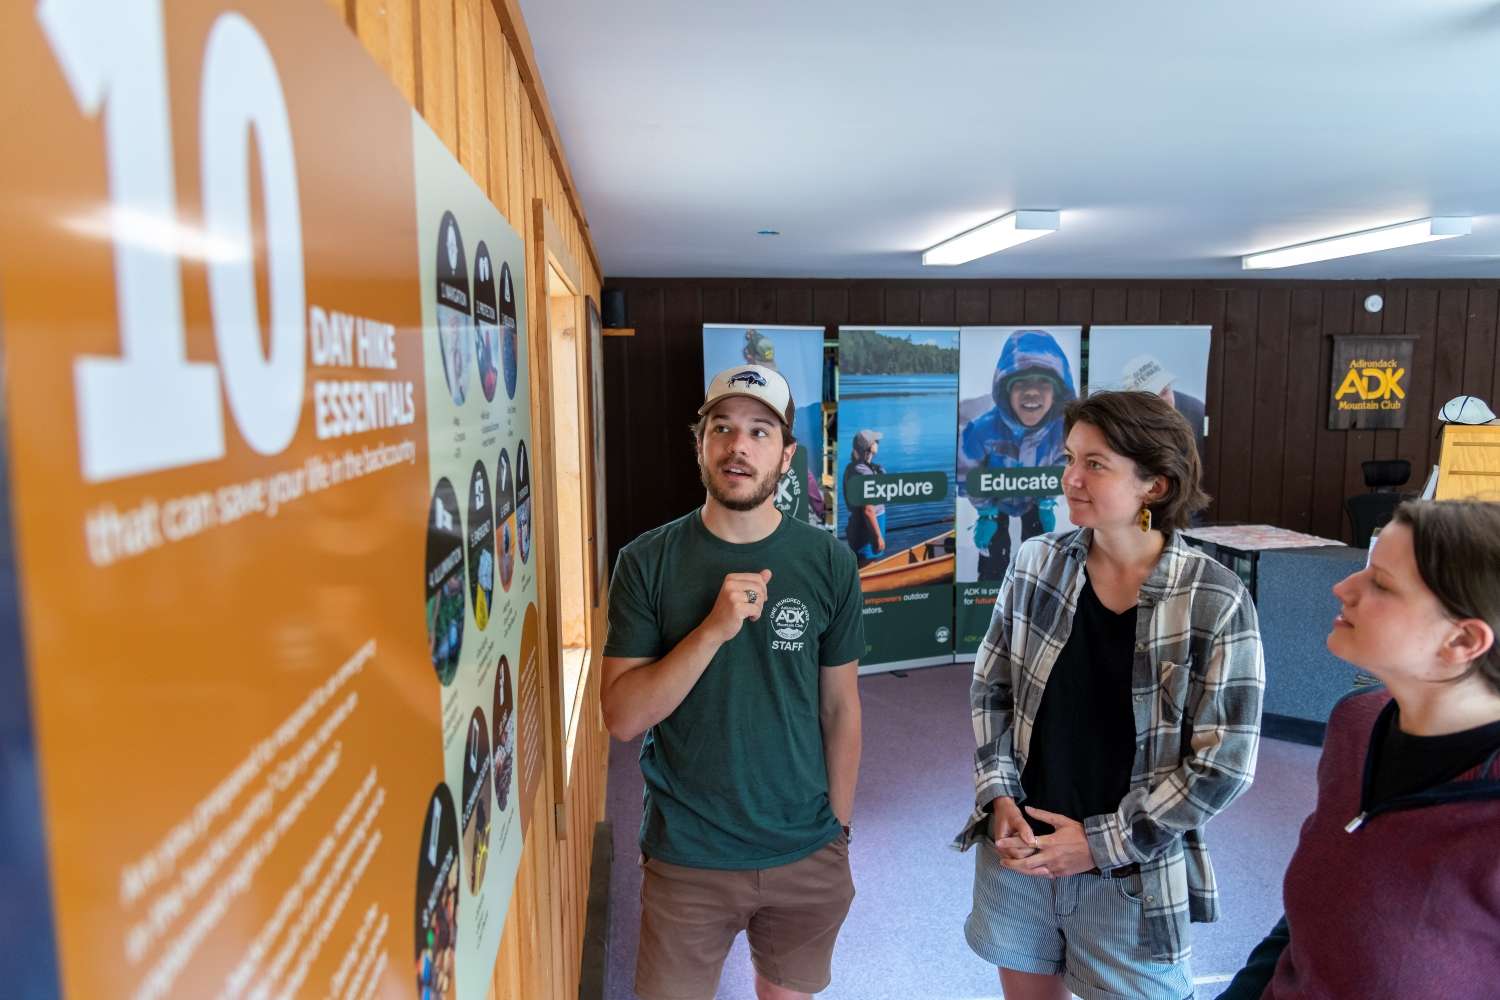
(1143, 373)
(757, 382)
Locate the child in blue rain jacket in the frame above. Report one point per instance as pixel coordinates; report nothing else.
(1023, 430)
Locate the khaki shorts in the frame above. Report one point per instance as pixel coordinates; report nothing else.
(691, 916)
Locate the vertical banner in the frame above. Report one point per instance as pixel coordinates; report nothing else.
(1170, 361)
(797, 353)
(1369, 381)
(1013, 385)
(898, 392)
(266, 413)
(481, 582)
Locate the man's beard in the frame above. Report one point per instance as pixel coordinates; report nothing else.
(764, 487)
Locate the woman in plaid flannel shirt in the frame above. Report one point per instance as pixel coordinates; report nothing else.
(1116, 706)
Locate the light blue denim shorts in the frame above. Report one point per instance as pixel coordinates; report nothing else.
(1089, 929)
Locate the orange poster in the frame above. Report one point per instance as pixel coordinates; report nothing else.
(266, 403)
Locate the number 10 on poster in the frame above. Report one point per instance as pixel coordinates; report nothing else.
(150, 408)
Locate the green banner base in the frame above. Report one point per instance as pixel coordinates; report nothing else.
(974, 604)
(911, 624)
(901, 665)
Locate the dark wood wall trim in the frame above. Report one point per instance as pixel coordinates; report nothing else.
(1270, 457)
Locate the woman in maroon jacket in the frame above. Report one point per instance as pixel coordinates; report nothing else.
(1394, 889)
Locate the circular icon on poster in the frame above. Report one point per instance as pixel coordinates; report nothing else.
(486, 322)
(505, 517)
(481, 545)
(445, 582)
(504, 715)
(510, 343)
(523, 502)
(454, 319)
(478, 770)
(437, 898)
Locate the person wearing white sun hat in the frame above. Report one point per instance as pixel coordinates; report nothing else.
(1144, 373)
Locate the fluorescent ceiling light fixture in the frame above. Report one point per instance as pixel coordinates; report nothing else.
(1403, 234)
(992, 237)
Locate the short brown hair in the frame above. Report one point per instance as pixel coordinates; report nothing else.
(1146, 429)
(1457, 545)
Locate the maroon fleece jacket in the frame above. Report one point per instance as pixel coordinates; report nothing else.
(1403, 902)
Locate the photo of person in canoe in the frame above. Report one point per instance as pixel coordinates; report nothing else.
(898, 393)
(866, 531)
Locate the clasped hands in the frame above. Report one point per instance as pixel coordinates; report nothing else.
(1065, 851)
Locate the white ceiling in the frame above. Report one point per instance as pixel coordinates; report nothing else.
(1174, 135)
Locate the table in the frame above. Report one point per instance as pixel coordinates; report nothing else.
(1239, 546)
(1290, 576)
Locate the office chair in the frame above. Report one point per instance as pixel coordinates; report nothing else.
(1369, 511)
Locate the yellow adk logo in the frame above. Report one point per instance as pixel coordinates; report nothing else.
(1375, 383)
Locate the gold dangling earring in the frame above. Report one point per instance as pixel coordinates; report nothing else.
(1144, 519)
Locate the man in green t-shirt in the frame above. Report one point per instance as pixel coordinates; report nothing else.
(734, 640)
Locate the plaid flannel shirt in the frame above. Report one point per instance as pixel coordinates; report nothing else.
(1197, 684)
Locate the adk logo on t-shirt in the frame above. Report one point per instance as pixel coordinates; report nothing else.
(789, 620)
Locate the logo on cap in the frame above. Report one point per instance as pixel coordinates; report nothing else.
(1147, 370)
(748, 378)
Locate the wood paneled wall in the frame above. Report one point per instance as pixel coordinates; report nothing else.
(467, 66)
(1270, 457)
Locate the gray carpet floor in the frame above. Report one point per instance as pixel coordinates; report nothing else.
(904, 939)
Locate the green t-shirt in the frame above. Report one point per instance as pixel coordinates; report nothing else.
(735, 777)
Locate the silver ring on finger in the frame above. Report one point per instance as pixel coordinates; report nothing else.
(751, 596)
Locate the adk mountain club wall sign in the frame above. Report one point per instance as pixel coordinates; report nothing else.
(1370, 377)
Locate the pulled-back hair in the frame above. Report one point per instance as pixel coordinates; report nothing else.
(1146, 429)
(1457, 546)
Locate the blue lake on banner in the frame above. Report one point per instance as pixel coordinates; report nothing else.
(917, 414)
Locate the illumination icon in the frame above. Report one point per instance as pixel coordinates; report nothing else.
(1402, 234)
(992, 237)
